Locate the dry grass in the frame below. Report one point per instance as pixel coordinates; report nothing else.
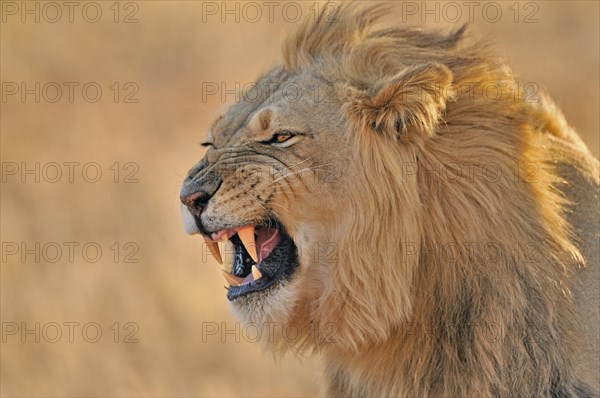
(170, 292)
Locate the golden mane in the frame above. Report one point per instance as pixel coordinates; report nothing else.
(444, 168)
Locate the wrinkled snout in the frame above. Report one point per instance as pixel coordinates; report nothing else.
(198, 188)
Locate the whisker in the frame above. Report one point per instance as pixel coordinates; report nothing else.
(295, 193)
(296, 172)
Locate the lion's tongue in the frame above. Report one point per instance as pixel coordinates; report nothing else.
(266, 240)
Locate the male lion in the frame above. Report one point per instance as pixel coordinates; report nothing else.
(427, 237)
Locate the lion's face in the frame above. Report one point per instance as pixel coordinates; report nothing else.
(312, 180)
(311, 217)
(272, 185)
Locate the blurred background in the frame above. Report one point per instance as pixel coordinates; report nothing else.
(103, 107)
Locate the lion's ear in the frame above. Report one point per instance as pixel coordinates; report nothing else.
(416, 97)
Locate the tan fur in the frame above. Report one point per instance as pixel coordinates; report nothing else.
(449, 215)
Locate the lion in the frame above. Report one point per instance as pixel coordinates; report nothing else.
(426, 237)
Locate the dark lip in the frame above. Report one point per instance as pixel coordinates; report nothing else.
(279, 266)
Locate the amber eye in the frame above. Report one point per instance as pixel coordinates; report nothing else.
(282, 136)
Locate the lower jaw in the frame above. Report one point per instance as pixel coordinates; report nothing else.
(266, 307)
(261, 286)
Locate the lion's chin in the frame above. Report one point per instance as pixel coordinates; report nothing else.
(270, 306)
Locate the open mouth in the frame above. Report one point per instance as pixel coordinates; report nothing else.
(262, 256)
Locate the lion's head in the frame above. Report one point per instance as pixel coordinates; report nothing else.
(347, 173)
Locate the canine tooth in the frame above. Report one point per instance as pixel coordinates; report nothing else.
(246, 235)
(256, 273)
(232, 279)
(213, 248)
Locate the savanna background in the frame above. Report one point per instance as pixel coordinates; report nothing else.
(152, 283)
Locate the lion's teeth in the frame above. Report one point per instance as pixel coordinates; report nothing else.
(213, 247)
(232, 279)
(246, 235)
(256, 273)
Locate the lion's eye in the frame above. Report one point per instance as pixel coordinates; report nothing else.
(282, 136)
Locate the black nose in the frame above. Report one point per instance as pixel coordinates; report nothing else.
(197, 200)
(199, 186)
